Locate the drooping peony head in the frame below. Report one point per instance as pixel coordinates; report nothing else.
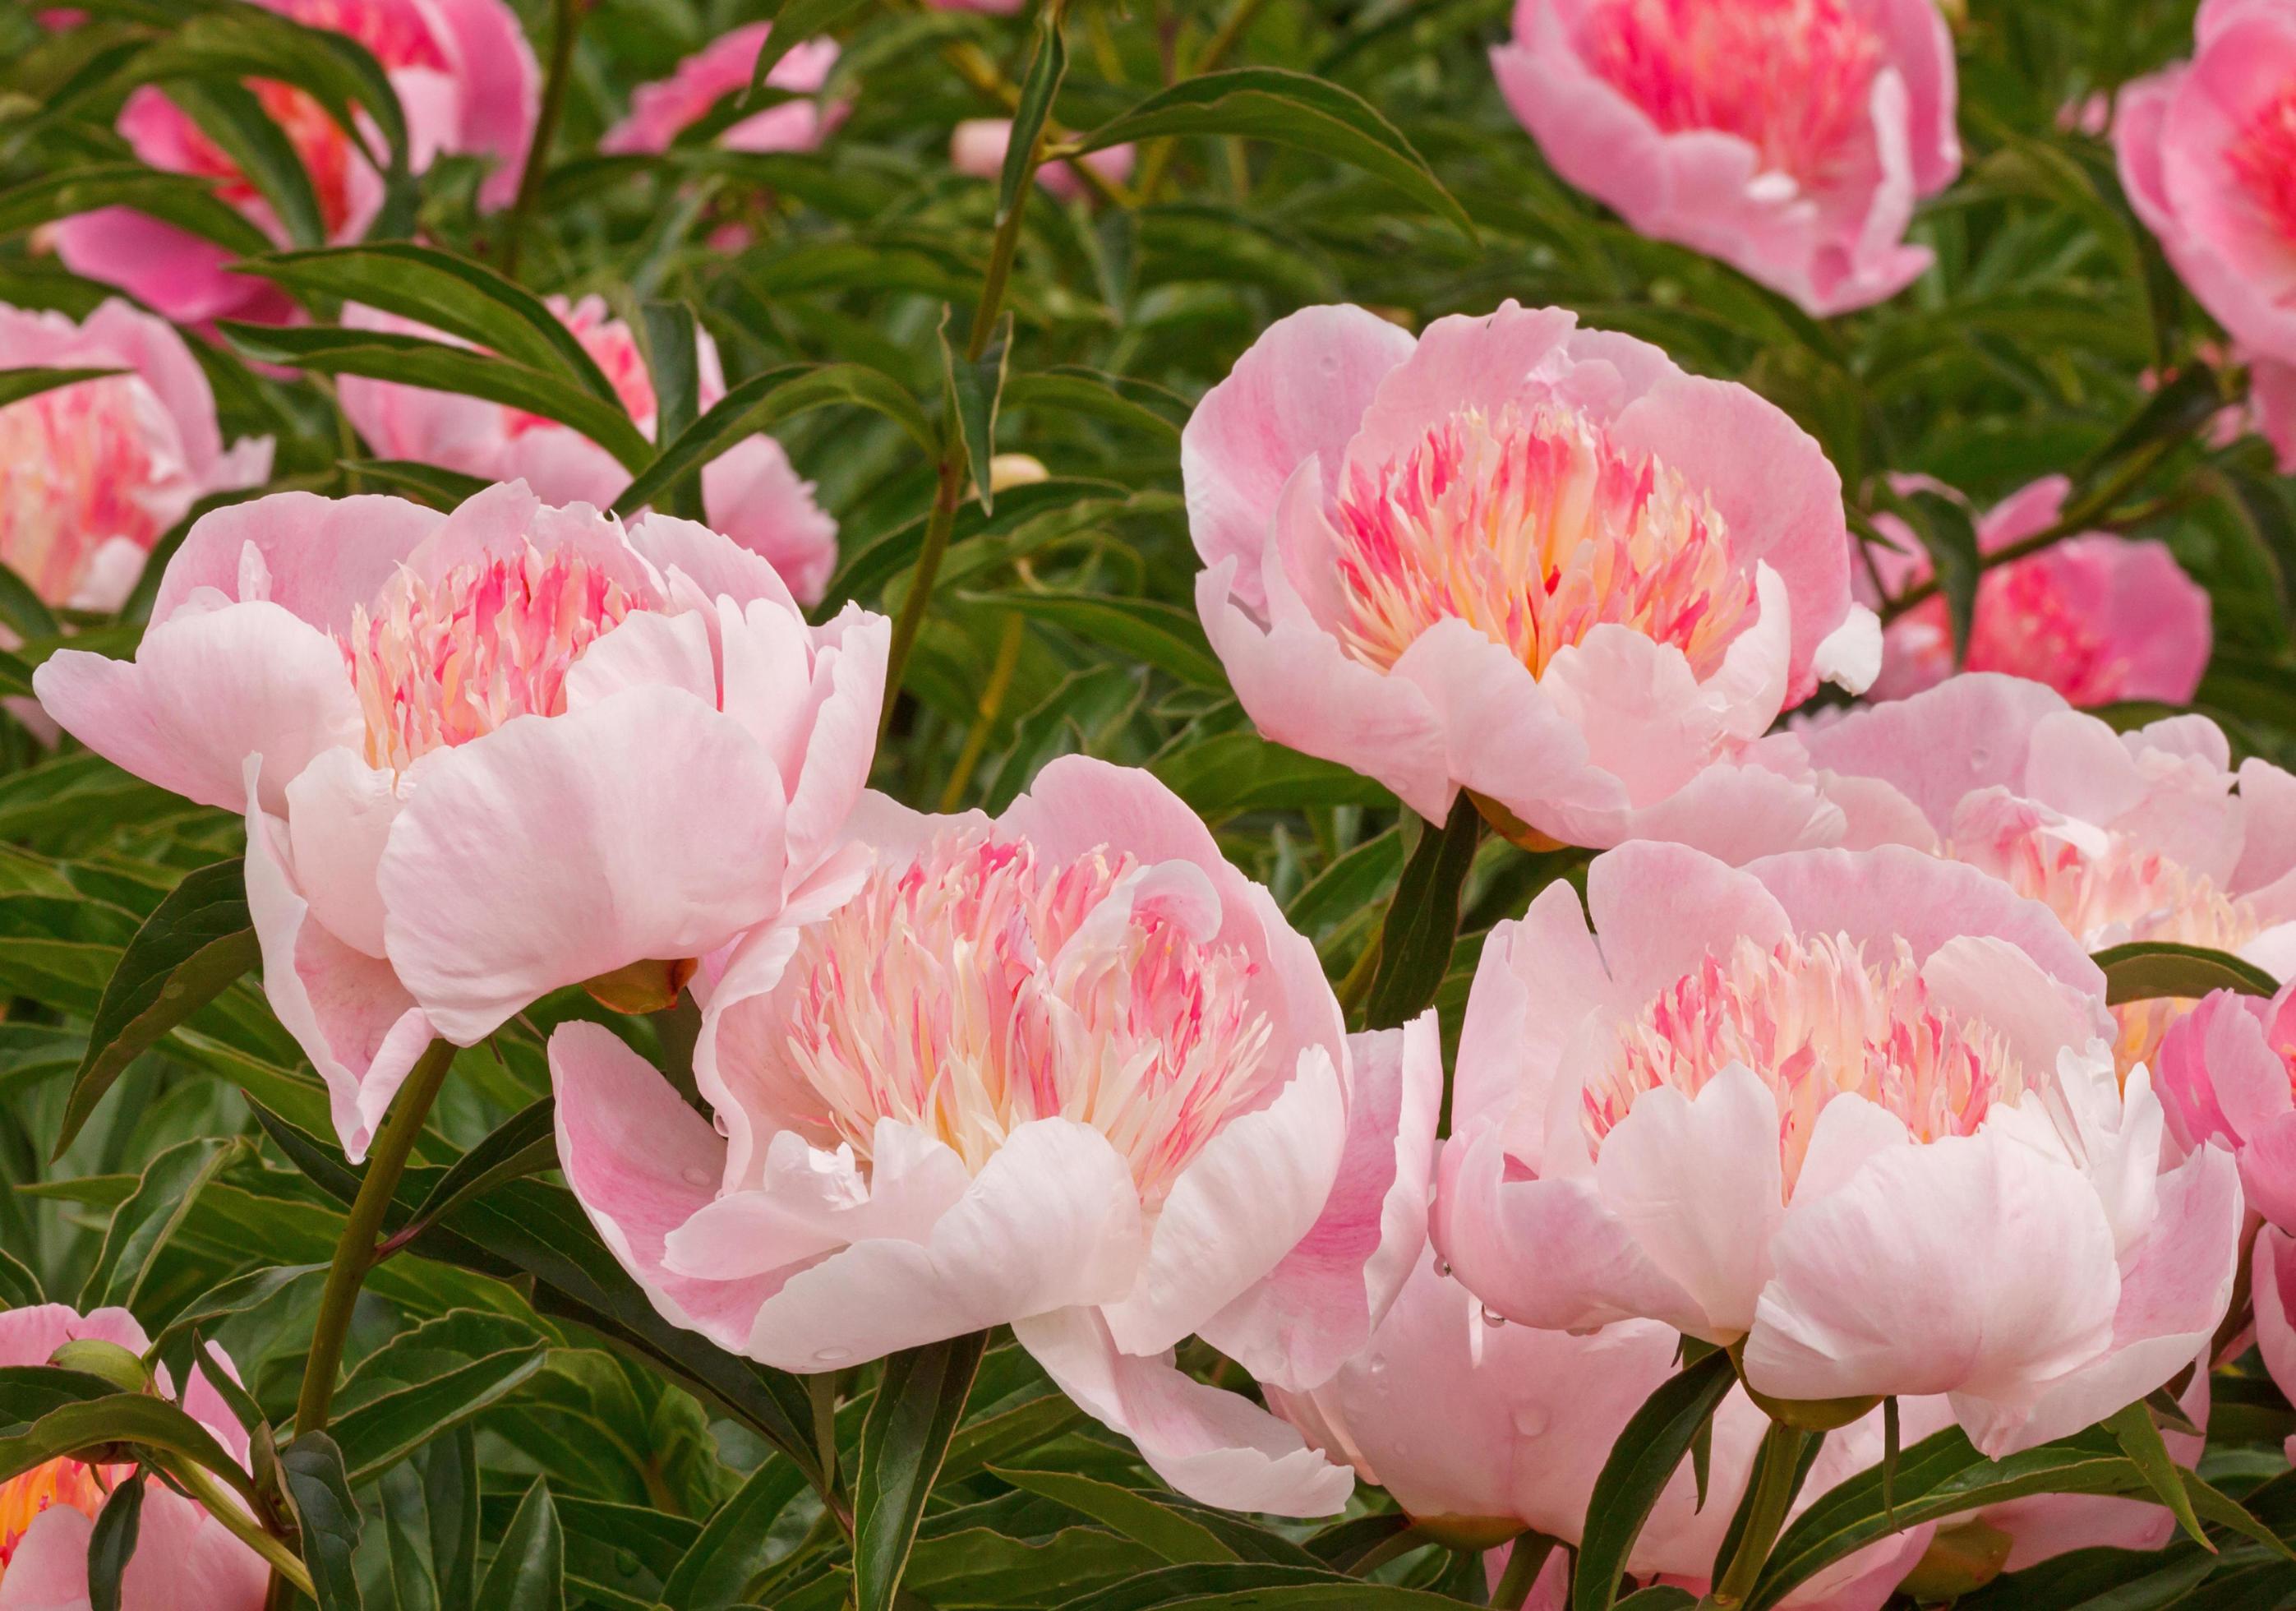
(1792, 1108)
(660, 112)
(2150, 835)
(484, 755)
(2208, 156)
(750, 492)
(979, 144)
(183, 1557)
(463, 73)
(1067, 1070)
(2096, 617)
(1537, 562)
(92, 474)
(1789, 138)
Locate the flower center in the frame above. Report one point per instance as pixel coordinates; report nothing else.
(978, 987)
(1535, 528)
(1793, 78)
(75, 470)
(615, 350)
(2263, 158)
(1813, 1019)
(441, 663)
(26, 1495)
(2027, 626)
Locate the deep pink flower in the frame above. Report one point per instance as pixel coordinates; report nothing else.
(1790, 138)
(1068, 1070)
(464, 75)
(1791, 1108)
(183, 1557)
(750, 492)
(977, 148)
(660, 112)
(484, 755)
(1537, 562)
(2096, 617)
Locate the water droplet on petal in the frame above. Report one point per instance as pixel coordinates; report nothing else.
(832, 1356)
(1442, 1268)
(1493, 1317)
(696, 1175)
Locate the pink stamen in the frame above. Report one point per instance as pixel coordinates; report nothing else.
(2263, 158)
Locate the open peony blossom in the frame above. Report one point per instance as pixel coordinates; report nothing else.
(750, 492)
(484, 755)
(1854, 1114)
(1789, 138)
(2227, 1073)
(2096, 617)
(1537, 562)
(184, 1559)
(2144, 835)
(93, 473)
(659, 113)
(979, 145)
(1068, 1070)
(465, 76)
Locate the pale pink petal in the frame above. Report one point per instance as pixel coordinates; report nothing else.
(316, 556)
(1936, 747)
(1660, 910)
(339, 815)
(1536, 978)
(2273, 1281)
(48, 1569)
(754, 495)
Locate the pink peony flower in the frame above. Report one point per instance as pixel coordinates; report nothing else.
(750, 492)
(2272, 408)
(2208, 156)
(2144, 835)
(2227, 1073)
(484, 755)
(92, 474)
(660, 112)
(979, 145)
(2096, 617)
(466, 77)
(1790, 1108)
(1537, 563)
(1790, 138)
(183, 1557)
(1068, 1070)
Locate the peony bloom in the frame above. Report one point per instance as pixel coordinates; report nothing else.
(1537, 562)
(660, 112)
(1067, 1070)
(2141, 836)
(92, 474)
(1789, 138)
(484, 755)
(1792, 1108)
(2207, 149)
(2096, 617)
(183, 1557)
(2227, 1073)
(464, 75)
(750, 492)
(977, 148)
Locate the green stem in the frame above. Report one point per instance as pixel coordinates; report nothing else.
(212, 1497)
(984, 721)
(566, 23)
(1525, 1562)
(948, 494)
(1777, 1469)
(1158, 160)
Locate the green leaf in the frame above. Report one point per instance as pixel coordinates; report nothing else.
(1662, 1596)
(1422, 918)
(113, 1542)
(673, 357)
(524, 1144)
(919, 1401)
(228, 113)
(1640, 1464)
(416, 361)
(529, 1572)
(245, 42)
(188, 202)
(1949, 532)
(20, 607)
(794, 22)
(1140, 1516)
(2144, 969)
(385, 1426)
(140, 1225)
(450, 1495)
(118, 1417)
(2132, 1427)
(15, 386)
(736, 1544)
(1234, 772)
(235, 1295)
(443, 489)
(19, 1289)
(1046, 68)
(971, 389)
(406, 1528)
(1291, 109)
(312, 1468)
(196, 942)
(1142, 629)
(1071, 392)
(1256, 1586)
(1349, 884)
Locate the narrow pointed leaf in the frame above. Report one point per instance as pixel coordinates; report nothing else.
(1422, 918)
(113, 1542)
(529, 1571)
(2146, 968)
(1640, 1464)
(906, 1437)
(140, 1226)
(17, 384)
(1140, 1516)
(312, 1467)
(973, 388)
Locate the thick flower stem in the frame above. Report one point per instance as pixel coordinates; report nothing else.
(566, 22)
(1525, 1562)
(1777, 1474)
(224, 1507)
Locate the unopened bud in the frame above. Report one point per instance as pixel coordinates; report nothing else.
(1015, 470)
(118, 1366)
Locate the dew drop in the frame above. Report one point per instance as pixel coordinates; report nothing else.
(1442, 1268)
(832, 1356)
(1530, 1420)
(696, 1175)
(1493, 1317)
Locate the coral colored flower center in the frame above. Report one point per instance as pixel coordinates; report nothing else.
(75, 468)
(1535, 528)
(1813, 1019)
(1791, 78)
(2027, 626)
(979, 988)
(615, 350)
(2263, 158)
(25, 1496)
(441, 663)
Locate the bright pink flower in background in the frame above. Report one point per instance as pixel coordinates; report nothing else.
(464, 75)
(1068, 1070)
(483, 755)
(1538, 562)
(660, 112)
(185, 1560)
(2150, 835)
(750, 492)
(1789, 138)
(93, 473)
(2096, 617)
(1857, 1112)
(979, 145)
